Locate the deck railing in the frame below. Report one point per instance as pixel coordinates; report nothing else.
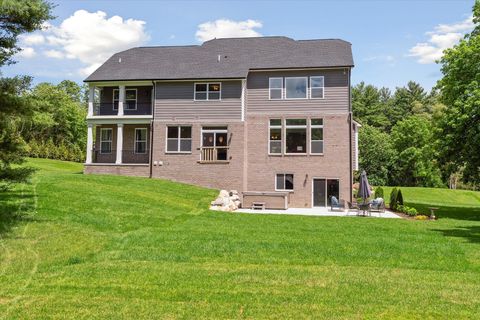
(128, 156)
(129, 108)
(214, 154)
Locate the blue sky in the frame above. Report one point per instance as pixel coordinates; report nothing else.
(393, 41)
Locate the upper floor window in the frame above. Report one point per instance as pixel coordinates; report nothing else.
(289, 136)
(296, 88)
(317, 87)
(207, 91)
(179, 139)
(276, 88)
(130, 99)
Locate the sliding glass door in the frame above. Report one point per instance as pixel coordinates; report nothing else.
(323, 190)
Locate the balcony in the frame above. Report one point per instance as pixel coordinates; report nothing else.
(129, 109)
(214, 155)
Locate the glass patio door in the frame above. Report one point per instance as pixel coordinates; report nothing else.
(323, 190)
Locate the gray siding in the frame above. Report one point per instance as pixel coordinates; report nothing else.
(174, 101)
(335, 100)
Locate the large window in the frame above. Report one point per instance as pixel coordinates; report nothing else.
(130, 99)
(106, 140)
(207, 91)
(276, 88)
(179, 139)
(284, 182)
(316, 136)
(214, 144)
(141, 140)
(316, 87)
(296, 88)
(275, 137)
(295, 136)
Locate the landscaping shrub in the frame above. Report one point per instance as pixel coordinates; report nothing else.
(379, 192)
(399, 197)
(50, 150)
(393, 199)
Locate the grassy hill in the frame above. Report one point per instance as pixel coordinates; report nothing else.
(85, 246)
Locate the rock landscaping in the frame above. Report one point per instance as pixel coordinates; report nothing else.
(226, 201)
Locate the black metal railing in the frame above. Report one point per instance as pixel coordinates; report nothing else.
(129, 108)
(104, 156)
(136, 156)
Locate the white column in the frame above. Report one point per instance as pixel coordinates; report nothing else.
(91, 100)
(119, 142)
(121, 99)
(88, 159)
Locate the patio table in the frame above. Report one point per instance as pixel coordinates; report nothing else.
(364, 207)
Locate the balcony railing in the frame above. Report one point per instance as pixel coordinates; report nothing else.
(214, 154)
(129, 108)
(135, 156)
(128, 156)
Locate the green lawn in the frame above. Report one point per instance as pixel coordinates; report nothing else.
(84, 246)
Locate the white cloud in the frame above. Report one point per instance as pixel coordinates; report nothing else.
(386, 58)
(224, 28)
(27, 52)
(54, 54)
(90, 37)
(32, 39)
(443, 37)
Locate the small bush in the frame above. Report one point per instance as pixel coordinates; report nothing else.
(399, 198)
(421, 217)
(411, 211)
(379, 192)
(393, 199)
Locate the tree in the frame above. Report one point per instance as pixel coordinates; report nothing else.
(369, 104)
(415, 164)
(459, 134)
(16, 17)
(376, 154)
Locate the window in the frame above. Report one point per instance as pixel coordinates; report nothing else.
(316, 136)
(295, 136)
(214, 144)
(276, 88)
(179, 139)
(275, 138)
(316, 87)
(106, 140)
(141, 140)
(207, 91)
(130, 99)
(284, 182)
(296, 88)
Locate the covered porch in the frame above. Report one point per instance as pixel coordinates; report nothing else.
(118, 143)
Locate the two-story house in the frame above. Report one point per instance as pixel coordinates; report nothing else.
(268, 116)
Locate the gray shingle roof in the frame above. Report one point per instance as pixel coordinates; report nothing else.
(237, 57)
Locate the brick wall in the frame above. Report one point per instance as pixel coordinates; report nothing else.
(124, 170)
(334, 163)
(186, 168)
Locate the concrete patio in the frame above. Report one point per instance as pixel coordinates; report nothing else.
(321, 212)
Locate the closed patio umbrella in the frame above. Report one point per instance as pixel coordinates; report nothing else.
(364, 188)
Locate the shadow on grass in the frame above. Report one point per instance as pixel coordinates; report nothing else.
(471, 233)
(15, 207)
(457, 213)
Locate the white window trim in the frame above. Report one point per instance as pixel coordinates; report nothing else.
(102, 141)
(135, 140)
(284, 174)
(316, 126)
(270, 88)
(326, 193)
(179, 139)
(215, 131)
(113, 98)
(310, 88)
(294, 127)
(280, 126)
(206, 92)
(306, 88)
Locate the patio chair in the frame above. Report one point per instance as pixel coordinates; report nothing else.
(353, 206)
(377, 205)
(335, 204)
